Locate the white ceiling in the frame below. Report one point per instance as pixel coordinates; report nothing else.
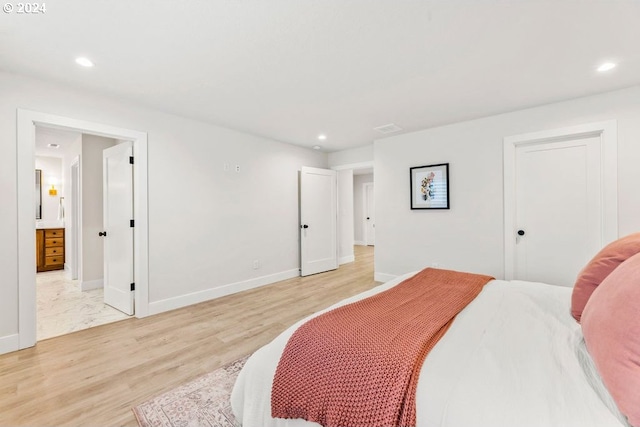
(63, 138)
(291, 69)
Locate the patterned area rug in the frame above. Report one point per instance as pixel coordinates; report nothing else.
(201, 402)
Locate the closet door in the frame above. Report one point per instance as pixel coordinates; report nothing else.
(558, 209)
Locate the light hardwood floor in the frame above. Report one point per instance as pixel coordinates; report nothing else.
(94, 377)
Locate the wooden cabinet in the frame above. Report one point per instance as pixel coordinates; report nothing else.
(50, 249)
(39, 250)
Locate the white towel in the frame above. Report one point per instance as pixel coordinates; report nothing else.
(61, 209)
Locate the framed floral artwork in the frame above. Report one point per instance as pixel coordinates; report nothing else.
(430, 186)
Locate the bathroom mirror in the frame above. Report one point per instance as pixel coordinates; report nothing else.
(38, 194)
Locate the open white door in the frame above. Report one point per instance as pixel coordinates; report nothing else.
(117, 170)
(370, 215)
(318, 221)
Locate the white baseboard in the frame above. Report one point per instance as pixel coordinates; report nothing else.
(360, 243)
(9, 343)
(346, 259)
(209, 294)
(87, 285)
(383, 277)
(68, 274)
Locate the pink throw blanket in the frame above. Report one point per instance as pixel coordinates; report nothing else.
(358, 365)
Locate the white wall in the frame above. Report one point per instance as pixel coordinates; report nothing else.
(92, 212)
(469, 236)
(51, 169)
(206, 225)
(72, 152)
(353, 156)
(359, 218)
(345, 216)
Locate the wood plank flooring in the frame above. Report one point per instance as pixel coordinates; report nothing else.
(94, 377)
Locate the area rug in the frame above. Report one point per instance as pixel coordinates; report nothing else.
(201, 402)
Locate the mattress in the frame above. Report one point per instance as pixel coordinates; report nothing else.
(513, 356)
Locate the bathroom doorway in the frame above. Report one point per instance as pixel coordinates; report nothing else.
(25, 142)
(68, 300)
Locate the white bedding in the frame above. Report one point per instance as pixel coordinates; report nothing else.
(513, 357)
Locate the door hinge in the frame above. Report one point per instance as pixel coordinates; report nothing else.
(133, 286)
(131, 159)
(131, 223)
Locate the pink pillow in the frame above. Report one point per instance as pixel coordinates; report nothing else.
(611, 328)
(600, 267)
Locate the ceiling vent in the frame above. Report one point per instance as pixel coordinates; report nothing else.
(387, 129)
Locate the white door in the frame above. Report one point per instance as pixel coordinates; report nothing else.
(118, 214)
(369, 212)
(558, 209)
(318, 221)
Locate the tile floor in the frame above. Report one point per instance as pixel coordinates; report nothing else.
(64, 308)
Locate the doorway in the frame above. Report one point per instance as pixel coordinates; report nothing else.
(27, 121)
(363, 207)
(69, 291)
(560, 201)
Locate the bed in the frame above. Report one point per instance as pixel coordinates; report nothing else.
(513, 356)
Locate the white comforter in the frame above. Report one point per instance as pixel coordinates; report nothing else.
(513, 357)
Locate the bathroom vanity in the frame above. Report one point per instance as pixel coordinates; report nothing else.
(49, 249)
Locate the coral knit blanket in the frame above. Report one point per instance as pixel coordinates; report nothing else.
(358, 365)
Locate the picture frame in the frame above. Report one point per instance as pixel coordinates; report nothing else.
(429, 186)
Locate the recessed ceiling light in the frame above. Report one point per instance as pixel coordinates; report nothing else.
(316, 147)
(53, 145)
(85, 62)
(322, 137)
(606, 67)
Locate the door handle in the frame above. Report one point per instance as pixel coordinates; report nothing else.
(304, 226)
(520, 232)
(102, 233)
